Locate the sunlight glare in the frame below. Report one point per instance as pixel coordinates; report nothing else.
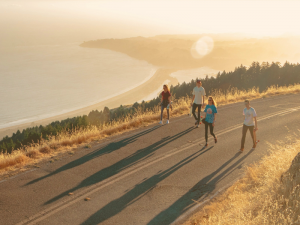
(202, 47)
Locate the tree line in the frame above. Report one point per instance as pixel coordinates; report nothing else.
(258, 75)
(261, 75)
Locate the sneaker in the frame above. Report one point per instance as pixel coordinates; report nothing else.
(197, 126)
(167, 122)
(254, 146)
(241, 150)
(206, 145)
(160, 122)
(196, 122)
(216, 140)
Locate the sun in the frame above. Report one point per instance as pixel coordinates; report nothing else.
(202, 47)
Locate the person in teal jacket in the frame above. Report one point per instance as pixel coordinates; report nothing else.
(210, 118)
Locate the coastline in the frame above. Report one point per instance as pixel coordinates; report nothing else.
(84, 105)
(127, 98)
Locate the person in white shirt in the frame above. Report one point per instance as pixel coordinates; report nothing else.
(198, 100)
(250, 123)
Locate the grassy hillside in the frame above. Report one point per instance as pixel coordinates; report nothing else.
(228, 52)
(269, 192)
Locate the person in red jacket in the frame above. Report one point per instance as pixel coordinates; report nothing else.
(165, 102)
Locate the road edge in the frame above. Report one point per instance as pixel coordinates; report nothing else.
(185, 216)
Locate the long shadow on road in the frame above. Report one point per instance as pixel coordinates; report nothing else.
(111, 147)
(203, 188)
(131, 160)
(140, 190)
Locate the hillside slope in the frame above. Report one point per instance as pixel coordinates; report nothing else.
(175, 51)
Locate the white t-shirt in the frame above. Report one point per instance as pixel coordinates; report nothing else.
(249, 116)
(199, 92)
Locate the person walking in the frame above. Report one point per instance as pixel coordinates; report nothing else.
(165, 102)
(197, 101)
(250, 123)
(210, 118)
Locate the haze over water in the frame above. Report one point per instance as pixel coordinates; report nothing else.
(40, 78)
(42, 81)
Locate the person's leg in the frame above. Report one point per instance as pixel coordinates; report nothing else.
(168, 112)
(211, 128)
(251, 128)
(206, 131)
(244, 132)
(193, 111)
(254, 135)
(162, 111)
(199, 110)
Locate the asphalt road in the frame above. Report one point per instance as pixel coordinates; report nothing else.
(147, 176)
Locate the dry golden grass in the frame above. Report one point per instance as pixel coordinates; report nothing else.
(235, 95)
(269, 193)
(63, 142)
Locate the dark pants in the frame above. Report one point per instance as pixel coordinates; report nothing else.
(162, 110)
(211, 129)
(199, 110)
(245, 129)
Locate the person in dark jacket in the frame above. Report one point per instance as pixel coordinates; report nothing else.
(165, 102)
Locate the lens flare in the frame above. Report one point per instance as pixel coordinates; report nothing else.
(202, 47)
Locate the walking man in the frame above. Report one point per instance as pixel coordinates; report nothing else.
(198, 100)
(250, 123)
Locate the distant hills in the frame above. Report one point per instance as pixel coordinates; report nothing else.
(228, 52)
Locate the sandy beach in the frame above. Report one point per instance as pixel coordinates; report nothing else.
(129, 97)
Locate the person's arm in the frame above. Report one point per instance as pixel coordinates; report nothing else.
(170, 101)
(205, 110)
(193, 100)
(203, 95)
(255, 120)
(215, 115)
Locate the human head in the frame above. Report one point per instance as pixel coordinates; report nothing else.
(212, 101)
(166, 88)
(247, 103)
(199, 83)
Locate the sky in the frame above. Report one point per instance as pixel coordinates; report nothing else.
(55, 21)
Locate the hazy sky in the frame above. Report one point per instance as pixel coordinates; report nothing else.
(56, 21)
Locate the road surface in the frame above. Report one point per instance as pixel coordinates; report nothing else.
(147, 176)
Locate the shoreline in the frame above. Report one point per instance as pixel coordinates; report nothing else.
(65, 111)
(127, 98)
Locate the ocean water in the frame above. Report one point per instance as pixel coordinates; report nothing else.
(42, 81)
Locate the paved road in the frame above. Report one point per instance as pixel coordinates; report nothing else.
(148, 176)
